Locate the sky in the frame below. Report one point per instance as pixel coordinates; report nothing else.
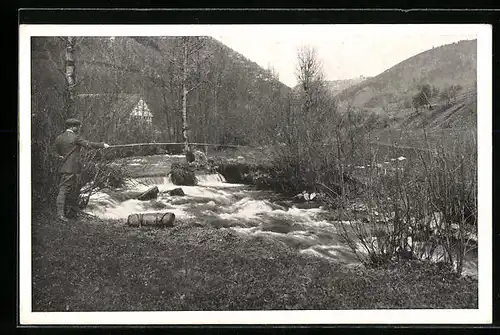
(346, 51)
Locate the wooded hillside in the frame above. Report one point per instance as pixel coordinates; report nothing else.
(226, 89)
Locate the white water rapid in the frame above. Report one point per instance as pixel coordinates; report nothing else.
(239, 207)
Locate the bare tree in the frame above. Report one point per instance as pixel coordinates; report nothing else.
(309, 70)
(311, 105)
(309, 73)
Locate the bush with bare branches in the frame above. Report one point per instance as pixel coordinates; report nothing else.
(423, 206)
(426, 210)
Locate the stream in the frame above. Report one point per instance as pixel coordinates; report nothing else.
(243, 209)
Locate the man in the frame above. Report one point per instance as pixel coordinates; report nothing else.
(68, 146)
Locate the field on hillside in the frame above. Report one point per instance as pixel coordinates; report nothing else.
(439, 128)
(421, 138)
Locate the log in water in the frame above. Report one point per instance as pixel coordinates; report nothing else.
(162, 219)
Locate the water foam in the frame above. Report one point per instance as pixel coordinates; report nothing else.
(103, 205)
(246, 208)
(106, 208)
(240, 208)
(215, 179)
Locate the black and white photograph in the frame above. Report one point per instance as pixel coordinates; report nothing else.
(255, 174)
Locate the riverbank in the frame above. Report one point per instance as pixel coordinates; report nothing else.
(91, 264)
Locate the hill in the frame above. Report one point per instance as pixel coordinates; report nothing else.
(337, 86)
(391, 91)
(461, 113)
(445, 125)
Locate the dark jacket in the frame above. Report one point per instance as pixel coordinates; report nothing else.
(70, 142)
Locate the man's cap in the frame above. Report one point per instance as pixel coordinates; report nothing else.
(73, 122)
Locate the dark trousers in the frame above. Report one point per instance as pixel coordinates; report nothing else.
(69, 192)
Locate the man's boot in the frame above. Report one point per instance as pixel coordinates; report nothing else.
(60, 204)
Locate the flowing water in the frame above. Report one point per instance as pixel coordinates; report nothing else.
(240, 208)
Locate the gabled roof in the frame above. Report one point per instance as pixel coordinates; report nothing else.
(141, 109)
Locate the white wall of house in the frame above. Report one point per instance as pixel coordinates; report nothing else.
(141, 111)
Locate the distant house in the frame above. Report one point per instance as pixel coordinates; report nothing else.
(113, 107)
(141, 111)
(112, 113)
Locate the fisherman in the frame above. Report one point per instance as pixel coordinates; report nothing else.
(68, 146)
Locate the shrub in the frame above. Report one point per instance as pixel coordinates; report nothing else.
(182, 174)
(427, 210)
(98, 173)
(425, 207)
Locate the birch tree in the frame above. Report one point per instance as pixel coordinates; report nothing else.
(179, 71)
(190, 45)
(70, 75)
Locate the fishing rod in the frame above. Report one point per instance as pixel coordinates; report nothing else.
(246, 146)
(175, 143)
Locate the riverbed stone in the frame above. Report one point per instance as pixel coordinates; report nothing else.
(177, 192)
(307, 205)
(157, 204)
(151, 193)
(277, 226)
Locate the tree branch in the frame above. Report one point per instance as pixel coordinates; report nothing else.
(49, 56)
(197, 85)
(197, 48)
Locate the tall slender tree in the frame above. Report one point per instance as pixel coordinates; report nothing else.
(309, 75)
(70, 76)
(190, 45)
(185, 42)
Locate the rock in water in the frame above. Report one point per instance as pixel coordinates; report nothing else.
(152, 193)
(182, 174)
(157, 204)
(177, 191)
(307, 205)
(151, 219)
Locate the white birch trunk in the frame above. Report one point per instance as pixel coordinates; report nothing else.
(184, 95)
(70, 76)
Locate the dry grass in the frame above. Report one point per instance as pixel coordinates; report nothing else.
(95, 265)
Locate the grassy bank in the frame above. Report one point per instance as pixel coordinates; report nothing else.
(95, 265)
